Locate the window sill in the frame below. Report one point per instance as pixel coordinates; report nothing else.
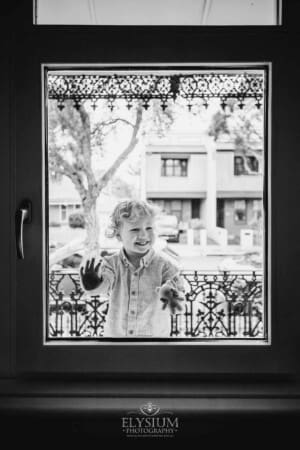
(96, 408)
(184, 395)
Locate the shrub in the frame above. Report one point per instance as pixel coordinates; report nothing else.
(76, 220)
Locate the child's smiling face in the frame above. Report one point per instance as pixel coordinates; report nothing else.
(138, 235)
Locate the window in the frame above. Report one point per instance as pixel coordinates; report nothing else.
(240, 212)
(246, 165)
(163, 12)
(175, 132)
(33, 356)
(173, 167)
(252, 163)
(239, 165)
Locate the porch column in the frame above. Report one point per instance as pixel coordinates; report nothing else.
(211, 184)
(142, 180)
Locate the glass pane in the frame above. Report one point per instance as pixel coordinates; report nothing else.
(177, 257)
(158, 12)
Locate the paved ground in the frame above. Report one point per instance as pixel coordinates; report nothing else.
(213, 257)
(194, 257)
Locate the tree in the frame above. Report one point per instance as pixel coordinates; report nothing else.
(73, 142)
(120, 188)
(243, 126)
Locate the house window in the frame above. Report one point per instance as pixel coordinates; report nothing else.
(246, 165)
(239, 165)
(172, 167)
(240, 212)
(252, 163)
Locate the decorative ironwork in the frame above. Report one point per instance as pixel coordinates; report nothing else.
(218, 305)
(71, 312)
(165, 88)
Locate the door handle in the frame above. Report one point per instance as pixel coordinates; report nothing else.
(22, 216)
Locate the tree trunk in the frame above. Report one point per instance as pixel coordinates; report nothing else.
(92, 226)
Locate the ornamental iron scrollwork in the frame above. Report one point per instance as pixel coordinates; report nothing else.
(71, 312)
(165, 88)
(219, 305)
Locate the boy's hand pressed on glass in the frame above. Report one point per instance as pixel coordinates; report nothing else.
(171, 297)
(89, 275)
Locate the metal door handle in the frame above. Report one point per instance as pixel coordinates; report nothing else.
(23, 216)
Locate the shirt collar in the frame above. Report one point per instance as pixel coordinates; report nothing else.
(144, 261)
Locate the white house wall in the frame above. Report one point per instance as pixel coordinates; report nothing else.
(191, 186)
(229, 184)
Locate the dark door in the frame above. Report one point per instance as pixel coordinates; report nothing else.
(220, 212)
(195, 208)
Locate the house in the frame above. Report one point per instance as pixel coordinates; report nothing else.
(176, 175)
(219, 186)
(64, 200)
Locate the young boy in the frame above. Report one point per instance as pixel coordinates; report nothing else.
(143, 286)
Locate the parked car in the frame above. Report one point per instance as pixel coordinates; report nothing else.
(168, 227)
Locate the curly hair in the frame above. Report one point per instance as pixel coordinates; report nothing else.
(129, 210)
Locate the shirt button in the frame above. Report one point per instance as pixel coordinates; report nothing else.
(132, 312)
(130, 331)
(133, 292)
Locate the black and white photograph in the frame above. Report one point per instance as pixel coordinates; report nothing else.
(156, 216)
(150, 222)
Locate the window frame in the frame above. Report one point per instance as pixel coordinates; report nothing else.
(32, 357)
(236, 165)
(164, 167)
(244, 172)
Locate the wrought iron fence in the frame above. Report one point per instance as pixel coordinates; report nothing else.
(218, 305)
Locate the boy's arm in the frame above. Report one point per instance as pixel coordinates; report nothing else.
(96, 279)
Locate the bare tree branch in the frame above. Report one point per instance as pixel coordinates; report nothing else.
(62, 167)
(104, 179)
(108, 123)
